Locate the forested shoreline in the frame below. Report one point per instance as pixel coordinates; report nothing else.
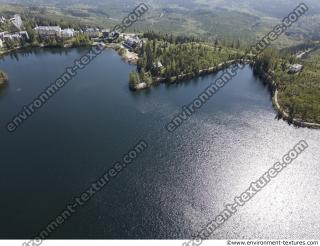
(166, 59)
(171, 59)
(298, 94)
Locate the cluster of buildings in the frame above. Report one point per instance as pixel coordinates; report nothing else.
(131, 41)
(57, 31)
(4, 36)
(91, 32)
(54, 31)
(16, 36)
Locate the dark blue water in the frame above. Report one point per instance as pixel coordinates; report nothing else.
(177, 185)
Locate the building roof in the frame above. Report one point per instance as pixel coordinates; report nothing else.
(68, 30)
(92, 30)
(297, 66)
(17, 21)
(48, 28)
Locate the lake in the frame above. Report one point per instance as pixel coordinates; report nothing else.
(175, 187)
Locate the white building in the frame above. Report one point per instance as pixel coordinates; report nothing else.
(1, 43)
(14, 36)
(92, 32)
(48, 31)
(131, 42)
(16, 21)
(2, 19)
(67, 33)
(7, 36)
(295, 68)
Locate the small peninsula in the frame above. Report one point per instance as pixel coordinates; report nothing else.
(3, 79)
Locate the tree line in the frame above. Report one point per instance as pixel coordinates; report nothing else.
(166, 57)
(298, 93)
